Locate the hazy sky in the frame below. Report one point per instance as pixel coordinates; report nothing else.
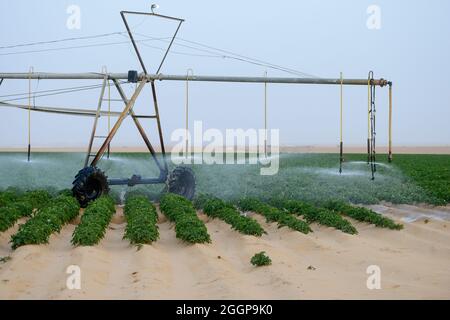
(322, 38)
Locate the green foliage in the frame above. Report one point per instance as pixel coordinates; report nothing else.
(216, 208)
(37, 198)
(137, 193)
(6, 197)
(313, 178)
(47, 220)
(261, 259)
(22, 206)
(362, 214)
(65, 192)
(429, 171)
(307, 177)
(319, 215)
(191, 229)
(141, 220)
(188, 226)
(95, 220)
(201, 199)
(272, 214)
(13, 212)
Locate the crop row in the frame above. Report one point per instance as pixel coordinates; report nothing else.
(188, 226)
(318, 215)
(16, 207)
(273, 214)
(141, 218)
(7, 196)
(47, 220)
(217, 208)
(363, 214)
(429, 171)
(94, 221)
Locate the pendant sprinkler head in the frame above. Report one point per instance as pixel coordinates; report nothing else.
(153, 7)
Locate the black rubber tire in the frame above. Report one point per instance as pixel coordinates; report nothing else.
(89, 184)
(181, 181)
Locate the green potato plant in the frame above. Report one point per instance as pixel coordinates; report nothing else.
(261, 259)
(47, 220)
(21, 206)
(95, 220)
(216, 208)
(272, 214)
(362, 214)
(8, 196)
(142, 220)
(188, 227)
(319, 215)
(429, 171)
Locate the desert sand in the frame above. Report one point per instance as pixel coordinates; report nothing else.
(326, 264)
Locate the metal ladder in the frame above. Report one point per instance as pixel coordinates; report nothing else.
(96, 156)
(94, 134)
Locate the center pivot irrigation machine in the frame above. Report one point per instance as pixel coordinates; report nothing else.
(91, 182)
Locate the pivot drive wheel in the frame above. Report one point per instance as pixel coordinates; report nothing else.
(89, 184)
(181, 181)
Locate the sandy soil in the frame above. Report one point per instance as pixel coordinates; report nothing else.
(327, 264)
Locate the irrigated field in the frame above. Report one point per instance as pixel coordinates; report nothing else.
(317, 242)
(311, 177)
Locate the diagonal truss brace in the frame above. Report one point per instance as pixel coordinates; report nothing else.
(129, 105)
(142, 131)
(128, 110)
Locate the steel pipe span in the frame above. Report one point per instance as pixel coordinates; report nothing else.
(162, 77)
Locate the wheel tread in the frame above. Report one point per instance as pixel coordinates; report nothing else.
(179, 176)
(81, 181)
